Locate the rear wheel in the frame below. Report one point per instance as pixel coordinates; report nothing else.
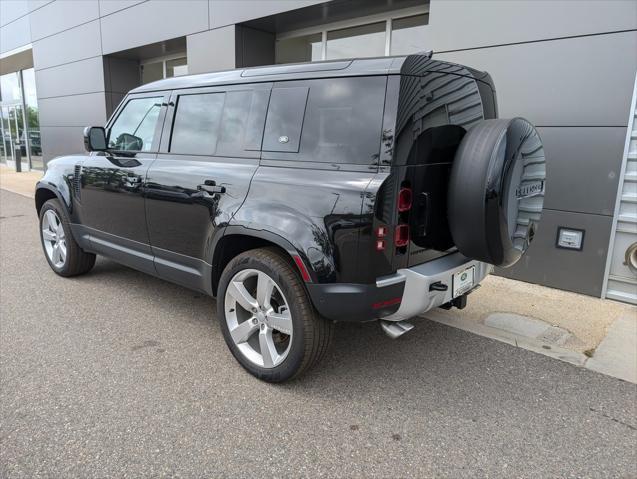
(63, 254)
(267, 319)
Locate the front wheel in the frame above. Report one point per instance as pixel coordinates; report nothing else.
(63, 254)
(267, 319)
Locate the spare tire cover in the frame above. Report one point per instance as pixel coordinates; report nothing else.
(496, 190)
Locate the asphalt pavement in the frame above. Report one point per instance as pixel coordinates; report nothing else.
(118, 374)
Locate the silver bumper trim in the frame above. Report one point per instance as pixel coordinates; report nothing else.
(417, 298)
(389, 280)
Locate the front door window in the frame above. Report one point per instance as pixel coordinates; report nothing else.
(134, 128)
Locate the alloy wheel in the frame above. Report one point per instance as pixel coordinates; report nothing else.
(258, 318)
(54, 239)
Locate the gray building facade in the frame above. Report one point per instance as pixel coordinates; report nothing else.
(569, 67)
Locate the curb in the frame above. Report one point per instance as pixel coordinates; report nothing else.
(609, 359)
(21, 193)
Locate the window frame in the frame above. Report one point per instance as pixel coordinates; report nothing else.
(164, 95)
(386, 17)
(169, 121)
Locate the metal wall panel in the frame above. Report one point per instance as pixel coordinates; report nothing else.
(579, 271)
(11, 11)
(152, 22)
(61, 140)
(62, 15)
(35, 4)
(212, 50)
(78, 43)
(582, 167)
(229, 12)
(571, 82)
(74, 110)
(84, 76)
(111, 6)
(15, 34)
(470, 24)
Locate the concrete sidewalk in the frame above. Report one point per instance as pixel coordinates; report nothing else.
(598, 334)
(20, 183)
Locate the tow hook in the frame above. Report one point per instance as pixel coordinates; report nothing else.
(395, 329)
(460, 302)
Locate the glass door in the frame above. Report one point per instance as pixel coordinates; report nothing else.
(5, 141)
(14, 137)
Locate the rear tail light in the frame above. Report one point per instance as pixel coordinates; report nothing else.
(404, 200)
(401, 236)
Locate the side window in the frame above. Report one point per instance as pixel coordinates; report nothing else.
(341, 123)
(343, 120)
(242, 122)
(196, 124)
(285, 119)
(134, 128)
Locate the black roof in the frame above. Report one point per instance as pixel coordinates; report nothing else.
(338, 68)
(405, 65)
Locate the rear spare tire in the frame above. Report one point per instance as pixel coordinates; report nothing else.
(496, 190)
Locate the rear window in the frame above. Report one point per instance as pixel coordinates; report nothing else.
(336, 120)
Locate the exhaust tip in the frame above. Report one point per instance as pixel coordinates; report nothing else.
(395, 329)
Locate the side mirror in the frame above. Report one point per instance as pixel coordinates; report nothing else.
(94, 138)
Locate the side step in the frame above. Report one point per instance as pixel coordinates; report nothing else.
(395, 329)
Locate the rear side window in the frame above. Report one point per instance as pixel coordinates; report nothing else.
(134, 128)
(220, 123)
(285, 119)
(340, 122)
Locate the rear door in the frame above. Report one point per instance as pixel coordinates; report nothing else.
(210, 150)
(111, 195)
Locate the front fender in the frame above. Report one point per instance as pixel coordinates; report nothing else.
(58, 180)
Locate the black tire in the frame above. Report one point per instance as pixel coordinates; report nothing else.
(496, 191)
(312, 334)
(77, 260)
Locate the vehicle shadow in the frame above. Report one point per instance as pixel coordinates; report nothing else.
(361, 360)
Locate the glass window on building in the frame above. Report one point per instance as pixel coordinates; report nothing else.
(163, 68)
(20, 125)
(401, 32)
(10, 88)
(408, 34)
(176, 67)
(306, 48)
(356, 42)
(33, 119)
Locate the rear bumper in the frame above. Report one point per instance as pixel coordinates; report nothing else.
(418, 298)
(396, 297)
(355, 302)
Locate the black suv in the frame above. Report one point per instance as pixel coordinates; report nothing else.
(301, 195)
